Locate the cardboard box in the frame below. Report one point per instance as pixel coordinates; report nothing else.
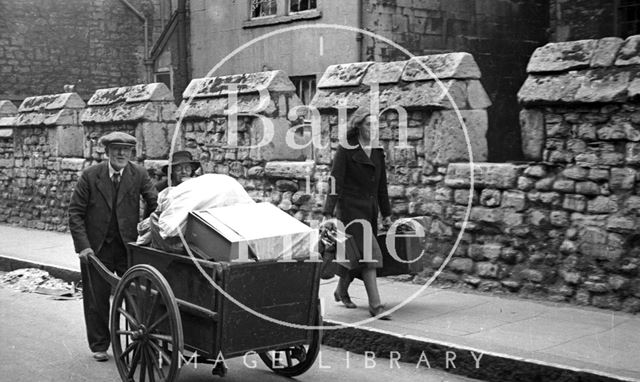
(249, 232)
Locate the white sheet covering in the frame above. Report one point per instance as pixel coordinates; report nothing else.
(204, 192)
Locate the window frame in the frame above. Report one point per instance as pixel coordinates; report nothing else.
(283, 14)
(617, 4)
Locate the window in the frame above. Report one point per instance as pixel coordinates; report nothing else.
(301, 5)
(628, 17)
(165, 77)
(271, 12)
(305, 87)
(261, 8)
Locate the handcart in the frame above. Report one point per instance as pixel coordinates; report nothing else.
(166, 314)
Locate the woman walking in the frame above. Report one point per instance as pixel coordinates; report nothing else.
(360, 181)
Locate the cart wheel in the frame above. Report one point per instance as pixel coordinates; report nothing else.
(146, 329)
(295, 360)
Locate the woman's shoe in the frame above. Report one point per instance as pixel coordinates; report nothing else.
(346, 300)
(374, 311)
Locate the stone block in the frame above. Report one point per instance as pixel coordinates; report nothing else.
(603, 85)
(606, 52)
(611, 132)
(72, 164)
(489, 175)
(462, 197)
(396, 191)
(562, 56)
(545, 184)
(490, 197)
(585, 131)
(461, 265)
(629, 54)
(276, 147)
(538, 217)
(442, 66)
(487, 215)
(622, 179)
(67, 141)
(532, 275)
(512, 219)
(155, 138)
(598, 174)
(559, 218)
(588, 188)
(564, 185)
(477, 96)
(540, 90)
(576, 203)
(486, 269)
(445, 141)
(631, 132)
(384, 72)
(514, 199)
(536, 171)
(344, 75)
(290, 170)
(621, 224)
(525, 184)
(532, 130)
(576, 173)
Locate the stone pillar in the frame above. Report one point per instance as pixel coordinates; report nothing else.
(47, 135)
(265, 164)
(145, 111)
(8, 112)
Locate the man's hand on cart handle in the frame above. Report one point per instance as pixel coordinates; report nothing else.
(386, 222)
(84, 255)
(326, 223)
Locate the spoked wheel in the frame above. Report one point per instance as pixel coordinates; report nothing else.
(146, 330)
(295, 360)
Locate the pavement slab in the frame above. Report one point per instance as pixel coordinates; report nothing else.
(517, 340)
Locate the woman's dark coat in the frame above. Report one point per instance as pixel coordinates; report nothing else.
(360, 185)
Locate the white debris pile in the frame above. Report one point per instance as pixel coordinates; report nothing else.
(36, 280)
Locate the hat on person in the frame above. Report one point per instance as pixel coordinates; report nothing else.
(118, 138)
(181, 157)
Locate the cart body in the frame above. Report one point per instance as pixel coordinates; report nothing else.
(285, 291)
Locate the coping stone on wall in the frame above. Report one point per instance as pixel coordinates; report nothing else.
(208, 97)
(144, 102)
(49, 110)
(212, 87)
(562, 56)
(8, 112)
(583, 72)
(405, 83)
(7, 109)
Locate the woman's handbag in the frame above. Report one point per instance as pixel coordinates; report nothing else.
(327, 249)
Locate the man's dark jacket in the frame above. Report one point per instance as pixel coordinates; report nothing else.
(91, 204)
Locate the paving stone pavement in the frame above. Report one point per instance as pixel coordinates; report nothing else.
(547, 339)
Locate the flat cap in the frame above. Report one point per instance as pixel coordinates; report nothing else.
(118, 138)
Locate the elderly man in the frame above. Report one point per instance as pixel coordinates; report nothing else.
(103, 214)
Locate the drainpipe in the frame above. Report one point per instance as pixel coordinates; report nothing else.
(360, 24)
(147, 62)
(182, 46)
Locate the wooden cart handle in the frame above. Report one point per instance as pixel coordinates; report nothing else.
(106, 274)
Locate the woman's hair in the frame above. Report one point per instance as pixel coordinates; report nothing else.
(356, 119)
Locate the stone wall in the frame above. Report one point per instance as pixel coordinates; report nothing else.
(44, 148)
(500, 34)
(92, 44)
(39, 175)
(563, 227)
(581, 19)
(272, 172)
